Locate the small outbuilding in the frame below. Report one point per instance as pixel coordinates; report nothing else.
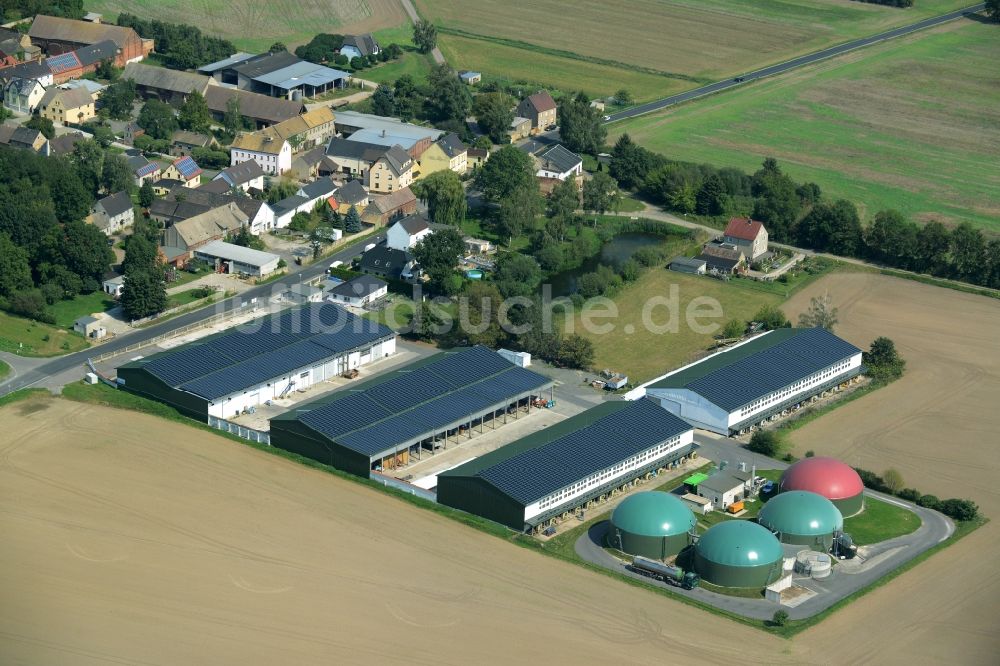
(238, 259)
(724, 487)
(688, 265)
(90, 327)
(738, 553)
(651, 524)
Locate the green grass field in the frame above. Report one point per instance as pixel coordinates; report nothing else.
(30, 338)
(913, 124)
(4, 369)
(880, 521)
(417, 65)
(67, 312)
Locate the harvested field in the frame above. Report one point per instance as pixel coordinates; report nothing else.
(703, 39)
(254, 25)
(912, 124)
(938, 426)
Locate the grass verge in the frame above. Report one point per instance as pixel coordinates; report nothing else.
(4, 369)
(23, 394)
(68, 311)
(31, 338)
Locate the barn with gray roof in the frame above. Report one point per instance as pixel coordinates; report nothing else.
(744, 385)
(434, 403)
(245, 366)
(555, 470)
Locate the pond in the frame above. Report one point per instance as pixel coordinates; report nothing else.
(613, 253)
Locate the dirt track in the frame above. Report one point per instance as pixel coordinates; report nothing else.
(128, 539)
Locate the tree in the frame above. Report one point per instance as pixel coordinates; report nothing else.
(993, 10)
(424, 36)
(277, 47)
(576, 351)
(281, 189)
(158, 119)
(444, 195)
(772, 318)
(494, 113)
(383, 101)
(931, 252)
(821, 313)
(116, 175)
(832, 227)
(438, 255)
(968, 249)
(893, 480)
(352, 221)
(194, 115)
(518, 211)
(600, 193)
(232, 120)
(448, 97)
(144, 294)
(117, 99)
(883, 362)
(88, 157)
(766, 442)
(623, 97)
(146, 194)
(776, 201)
(711, 196)
(43, 125)
(15, 271)
(734, 328)
(561, 206)
(580, 125)
(481, 304)
(891, 239)
(517, 274)
(780, 618)
(507, 170)
(301, 221)
(959, 509)
(630, 164)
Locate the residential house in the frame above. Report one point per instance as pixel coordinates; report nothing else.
(59, 35)
(23, 95)
(748, 235)
(273, 154)
(540, 109)
(18, 136)
(184, 142)
(358, 292)
(353, 157)
(185, 170)
(322, 188)
(448, 152)
(308, 130)
(114, 286)
(477, 157)
(166, 185)
(167, 85)
(470, 78)
(389, 263)
(478, 246)
(64, 144)
(33, 69)
(559, 163)
(113, 213)
(352, 193)
(305, 165)
(359, 46)
(245, 176)
(142, 169)
(282, 74)
(262, 110)
(84, 60)
(132, 132)
(392, 171)
(407, 232)
(722, 258)
(388, 208)
(520, 128)
(303, 293)
(17, 48)
(67, 106)
(194, 232)
(183, 203)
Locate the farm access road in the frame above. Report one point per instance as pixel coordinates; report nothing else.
(795, 63)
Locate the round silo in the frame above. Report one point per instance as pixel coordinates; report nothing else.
(738, 553)
(802, 517)
(653, 524)
(830, 478)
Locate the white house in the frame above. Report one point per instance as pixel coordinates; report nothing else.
(356, 46)
(748, 235)
(114, 286)
(23, 95)
(359, 291)
(304, 201)
(245, 176)
(725, 488)
(273, 154)
(303, 293)
(558, 162)
(406, 233)
(113, 213)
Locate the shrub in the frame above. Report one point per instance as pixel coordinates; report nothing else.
(959, 509)
(649, 256)
(929, 501)
(766, 442)
(893, 480)
(909, 494)
(871, 480)
(810, 453)
(780, 618)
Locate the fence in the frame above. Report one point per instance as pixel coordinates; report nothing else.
(240, 431)
(404, 486)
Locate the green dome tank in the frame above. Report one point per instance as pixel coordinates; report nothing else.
(738, 553)
(802, 517)
(653, 524)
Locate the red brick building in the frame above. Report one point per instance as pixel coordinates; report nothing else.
(57, 35)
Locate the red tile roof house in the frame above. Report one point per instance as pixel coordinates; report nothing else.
(748, 235)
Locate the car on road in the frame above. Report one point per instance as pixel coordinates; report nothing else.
(551, 128)
(739, 79)
(606, 118)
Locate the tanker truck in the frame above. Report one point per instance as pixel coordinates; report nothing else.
(668, 574)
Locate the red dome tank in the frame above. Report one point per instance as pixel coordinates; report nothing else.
(828, 477)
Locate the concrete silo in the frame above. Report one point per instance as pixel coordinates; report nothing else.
(738, 553)
(830, 478)
(802, 517)
(653, 524)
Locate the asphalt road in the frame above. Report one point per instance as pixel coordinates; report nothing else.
(792, 64)
(28, 377)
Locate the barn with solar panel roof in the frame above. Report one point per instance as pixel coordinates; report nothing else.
(747, 384)
(556, 470)
(431, 404)
(243, 367)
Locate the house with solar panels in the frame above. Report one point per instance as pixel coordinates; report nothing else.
(747, 384)
(435, 403)
(229, 372)
(536, 478)
(184, 170)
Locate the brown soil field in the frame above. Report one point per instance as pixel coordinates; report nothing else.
(938, 426)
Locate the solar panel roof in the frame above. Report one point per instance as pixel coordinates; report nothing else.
(766, 364)
(541, 463)
(63, 62)
(269, 348)
(418, 400)
(187, 167)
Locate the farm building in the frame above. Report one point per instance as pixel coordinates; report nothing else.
(738, 553)
(242, 367)
(652, 524)
(359, 291)
(555, 470)
(828, 477)
(744, 385)
(802, 517)
(236, 259)
(379, 424)
(687, 265)
(724, 488)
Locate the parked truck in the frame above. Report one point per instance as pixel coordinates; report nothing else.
(668, 574)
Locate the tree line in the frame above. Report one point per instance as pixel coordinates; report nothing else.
(15, 9)
(324, 49)
(182, 46)
(798, 214)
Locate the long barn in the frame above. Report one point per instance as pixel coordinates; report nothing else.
(433, 403)
(223, 374)
(555, 470)
(733, 390)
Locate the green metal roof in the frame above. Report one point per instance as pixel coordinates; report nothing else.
(739, 543)
(801, 512)
(695, 478)
(653, 513)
